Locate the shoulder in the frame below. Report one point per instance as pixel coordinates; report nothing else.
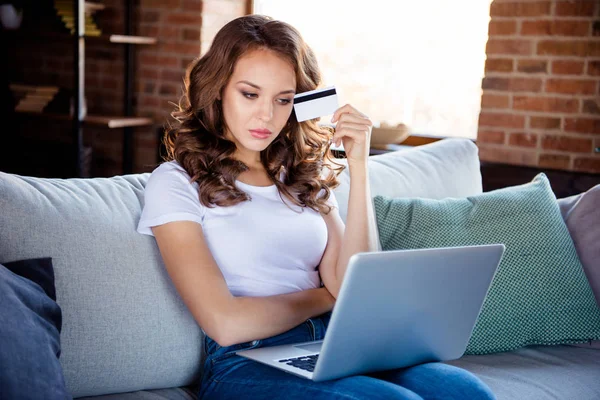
(169, 195)
(170, 175)
(170, 180)
(170, 170)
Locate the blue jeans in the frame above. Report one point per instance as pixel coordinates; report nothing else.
(229, 376)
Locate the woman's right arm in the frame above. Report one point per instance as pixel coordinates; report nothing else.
(227, 319)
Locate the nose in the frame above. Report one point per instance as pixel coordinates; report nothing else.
(265, 111)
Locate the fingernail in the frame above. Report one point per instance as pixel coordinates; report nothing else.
(332, 118)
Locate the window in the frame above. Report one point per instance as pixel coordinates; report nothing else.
(403, 61)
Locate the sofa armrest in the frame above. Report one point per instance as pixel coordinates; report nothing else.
(582, 216)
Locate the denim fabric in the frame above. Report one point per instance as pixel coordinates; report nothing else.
(30, 324)
(228, 376)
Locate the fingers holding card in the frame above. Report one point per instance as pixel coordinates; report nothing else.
(353, 128)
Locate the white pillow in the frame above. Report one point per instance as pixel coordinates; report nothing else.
(447, 168)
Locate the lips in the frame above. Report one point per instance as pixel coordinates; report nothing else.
(260, 133)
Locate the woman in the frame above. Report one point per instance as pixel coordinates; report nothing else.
(248, 226)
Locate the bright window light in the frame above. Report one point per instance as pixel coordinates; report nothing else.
(414, 62)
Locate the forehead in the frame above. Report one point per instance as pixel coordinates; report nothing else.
(266, 69)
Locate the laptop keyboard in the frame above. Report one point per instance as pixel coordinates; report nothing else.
(306, 363)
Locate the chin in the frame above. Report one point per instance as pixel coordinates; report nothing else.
(256, 145)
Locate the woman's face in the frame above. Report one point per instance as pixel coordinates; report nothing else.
(257, 102)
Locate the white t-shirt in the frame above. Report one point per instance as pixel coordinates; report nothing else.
(262, 246)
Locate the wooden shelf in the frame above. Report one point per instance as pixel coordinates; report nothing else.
(60, 28)
(98, 120)
(118, 122)
(131, 39)
(91, 7)
(117, 39)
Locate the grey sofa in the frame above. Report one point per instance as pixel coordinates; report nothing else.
(126, 333)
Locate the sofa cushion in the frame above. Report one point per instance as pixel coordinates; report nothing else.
(446, 168)
(538, 372)
(582, 215)
(539, 295)
(124, 326)
(30, 321)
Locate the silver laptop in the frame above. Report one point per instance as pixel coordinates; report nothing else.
(395, 309)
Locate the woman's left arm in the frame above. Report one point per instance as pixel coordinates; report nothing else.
(353, 129)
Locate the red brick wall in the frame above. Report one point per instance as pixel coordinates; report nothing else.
(541, 92)
(160, 67)
(185, 29)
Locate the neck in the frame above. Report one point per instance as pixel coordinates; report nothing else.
(251, 159)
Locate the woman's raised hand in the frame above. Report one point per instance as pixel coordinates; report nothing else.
(353, 129)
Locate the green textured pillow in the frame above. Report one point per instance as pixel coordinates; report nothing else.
(539, 295)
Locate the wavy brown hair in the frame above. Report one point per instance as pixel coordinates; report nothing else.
(197, 138)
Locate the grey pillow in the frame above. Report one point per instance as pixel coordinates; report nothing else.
(582, 216)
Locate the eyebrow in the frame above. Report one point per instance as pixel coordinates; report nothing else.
(258, 87)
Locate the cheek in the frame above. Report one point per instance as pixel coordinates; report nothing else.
(284, 115)
(237, 108)
(235, 112)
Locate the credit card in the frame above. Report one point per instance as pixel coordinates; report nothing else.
(315, 103)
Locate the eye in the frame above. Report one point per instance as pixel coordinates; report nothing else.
(249, 95)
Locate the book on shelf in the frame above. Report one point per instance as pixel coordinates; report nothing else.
(65, 11)
(31, 97)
